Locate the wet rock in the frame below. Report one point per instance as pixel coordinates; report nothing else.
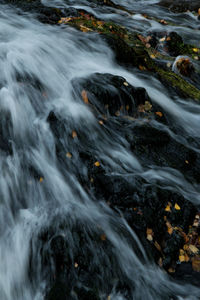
(80, 261)
(45, 14)
(175, 44)
(185, 273)
(153, 145)
(180, 5)
(111, 94)
(184, 66)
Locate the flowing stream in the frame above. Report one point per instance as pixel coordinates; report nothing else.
(32, 54)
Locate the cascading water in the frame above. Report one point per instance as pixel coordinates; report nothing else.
(42, 198)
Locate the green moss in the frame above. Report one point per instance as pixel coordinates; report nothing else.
(177, 82)
(129, 49)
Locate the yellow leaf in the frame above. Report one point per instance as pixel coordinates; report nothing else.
(182, 258)
(97, 163)
(193, 249)
(186, 247)
(152, 56)
(41, 179)
(125, 83)
(177, 207)
(186, 161)
(85, 29)
(168, 207)
(101, 122)
(84, 96)
(195, 50)
(170, 230)
(147, 106)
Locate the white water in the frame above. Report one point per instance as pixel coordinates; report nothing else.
(55, 56)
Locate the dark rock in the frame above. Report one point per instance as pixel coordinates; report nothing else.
(109, 93)
(175, 44)
(154, 145)
(185, 274)
(180, 5)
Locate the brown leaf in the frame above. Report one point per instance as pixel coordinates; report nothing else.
(74, 134)
(157, 246)
(69, 155)
(84, 96)
(103, 237)
(158, 113)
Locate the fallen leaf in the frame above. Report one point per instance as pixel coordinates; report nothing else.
(170, 230)
(160, 262)
(64, 20)
(149, 237)
(181, 258)
(186, 247)
(84, 96)
(147, 106)
(101, 122)
(103, 237)
(147, 45)
(158, 113)
(74, 134)
(85, 29)
(41, 179)
(195, 50)
(97, 163)
(162, 39)
(163, 22)
(186, 161)
(158, 247)
(171, 270)
(177, 207)
(193, 249)
(168, 207)
(142, 68)
(69, 155)
(125, 83)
